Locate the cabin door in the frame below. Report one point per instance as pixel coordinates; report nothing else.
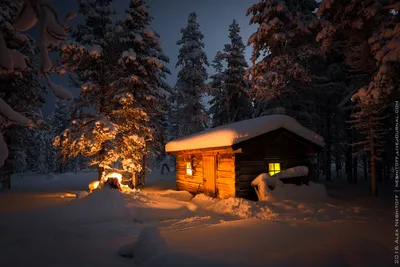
(209, 175)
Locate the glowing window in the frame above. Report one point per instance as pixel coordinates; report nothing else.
(274, 168)
(189, 170)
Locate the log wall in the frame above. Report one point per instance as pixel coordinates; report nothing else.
(191, 183)
(226, 175)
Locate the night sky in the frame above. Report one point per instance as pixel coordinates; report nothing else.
(214, 17)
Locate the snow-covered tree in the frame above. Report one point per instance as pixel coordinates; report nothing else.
(58, 122)
(150, 94)
(364, 33)
(111, 126)
(282, 46)
(218, 110)
(21, 16)
(238, 103)
(189, 115)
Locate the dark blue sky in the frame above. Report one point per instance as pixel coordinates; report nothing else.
(170, 16)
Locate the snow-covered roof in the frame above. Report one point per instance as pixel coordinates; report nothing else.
(237, 132)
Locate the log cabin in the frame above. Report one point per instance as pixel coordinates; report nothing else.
(223, 161)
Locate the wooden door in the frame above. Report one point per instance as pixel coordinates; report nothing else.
(209, 175)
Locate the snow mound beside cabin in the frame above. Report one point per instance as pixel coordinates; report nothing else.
(271, 188)
(239, 207)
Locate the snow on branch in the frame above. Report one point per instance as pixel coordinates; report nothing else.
(12, 115)
(59, 90)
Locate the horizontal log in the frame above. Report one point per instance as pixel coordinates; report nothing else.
(230, 160)
(226, 166)
(225, 189)
(243, 186)
(227, 156)
(225, 174)
(193, 188)
(227, 181)
(193, 179)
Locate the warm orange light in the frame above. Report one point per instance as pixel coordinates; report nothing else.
(93, 185)
(189, 170)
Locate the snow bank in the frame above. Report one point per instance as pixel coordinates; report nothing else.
(100, 206)
(149, 245)
(53, 182)
(234, 133)
(237, 207)
(309, 192)
(271, 188)
(297, 171)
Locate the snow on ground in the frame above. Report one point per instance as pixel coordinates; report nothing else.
(158, 226)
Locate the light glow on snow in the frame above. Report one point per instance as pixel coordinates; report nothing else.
(93, 185)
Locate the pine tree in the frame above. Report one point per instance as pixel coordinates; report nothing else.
(357, 30)
(111, 127)
(238, 103)
(149, 66)
(189, 113)
(218, 107)
(58, 122)
(20, 90)
(282, 46)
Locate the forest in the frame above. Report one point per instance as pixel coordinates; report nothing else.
(332, 65)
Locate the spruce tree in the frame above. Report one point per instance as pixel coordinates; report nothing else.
(150, 94)
(18, 65)
(111, 126)
(282, 46)
(364, 33)
(238, 103)
(218, 103)
(189, 114)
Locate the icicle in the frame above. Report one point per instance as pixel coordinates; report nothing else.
(26, 17)
(59, 91)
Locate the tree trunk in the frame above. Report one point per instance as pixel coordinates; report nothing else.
(374, 185)
(365, 163)
(355, 169)
(328, 142)
(338, 163)
(349, 165)
(100, 171)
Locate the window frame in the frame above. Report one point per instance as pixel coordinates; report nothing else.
(274, 169)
